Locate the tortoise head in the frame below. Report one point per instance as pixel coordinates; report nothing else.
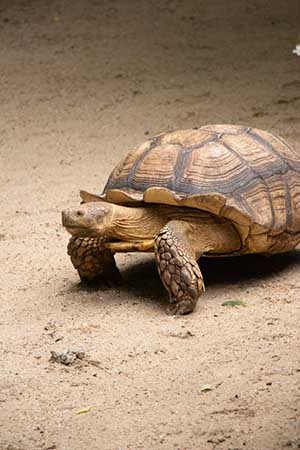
(92, 219)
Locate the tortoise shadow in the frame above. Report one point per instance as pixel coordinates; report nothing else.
(239, 269)
(142, 279)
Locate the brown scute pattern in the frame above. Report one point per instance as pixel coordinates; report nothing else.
(126, 169)
(264, 163)
(277, 191)
(153, 172)
(283, 150)
(206, 168)
(186, 139)
(256, 172)
(235, 130)
(293, 196)
(258, 202)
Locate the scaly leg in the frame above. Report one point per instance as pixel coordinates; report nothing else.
(178, 268)
(93, 262)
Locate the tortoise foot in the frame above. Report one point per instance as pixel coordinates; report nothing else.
(95, 264)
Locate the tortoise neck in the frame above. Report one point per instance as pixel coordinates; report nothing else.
(136, 223)
(139, 223)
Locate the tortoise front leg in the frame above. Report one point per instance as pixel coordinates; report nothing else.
(178, 268)
(93, 262)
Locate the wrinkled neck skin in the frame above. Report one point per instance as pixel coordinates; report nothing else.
(136, 224)
(139, 223)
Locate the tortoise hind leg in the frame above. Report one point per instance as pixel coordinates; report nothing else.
(178, 268)
(94, 263)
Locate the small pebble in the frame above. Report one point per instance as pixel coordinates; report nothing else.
(67, 357)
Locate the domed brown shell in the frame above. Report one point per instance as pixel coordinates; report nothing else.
(249, 176)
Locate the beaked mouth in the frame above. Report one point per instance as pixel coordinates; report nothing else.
(77, 230)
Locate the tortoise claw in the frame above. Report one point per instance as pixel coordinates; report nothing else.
(179, 308)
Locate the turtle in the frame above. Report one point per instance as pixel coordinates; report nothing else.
(211, 191)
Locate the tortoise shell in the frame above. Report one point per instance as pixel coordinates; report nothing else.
(248, 176)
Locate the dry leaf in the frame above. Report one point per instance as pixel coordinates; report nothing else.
(234, 303)
(84, 410)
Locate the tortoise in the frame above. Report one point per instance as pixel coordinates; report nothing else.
(217, 190)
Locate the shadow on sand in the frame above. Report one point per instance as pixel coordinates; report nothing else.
(141, 279)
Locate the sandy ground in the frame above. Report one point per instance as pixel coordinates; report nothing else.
(81, 84)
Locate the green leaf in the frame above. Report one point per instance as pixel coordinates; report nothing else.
(234, 303)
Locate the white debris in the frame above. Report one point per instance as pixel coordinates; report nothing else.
(297, 50)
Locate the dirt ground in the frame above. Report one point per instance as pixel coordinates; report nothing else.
(82, 82)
